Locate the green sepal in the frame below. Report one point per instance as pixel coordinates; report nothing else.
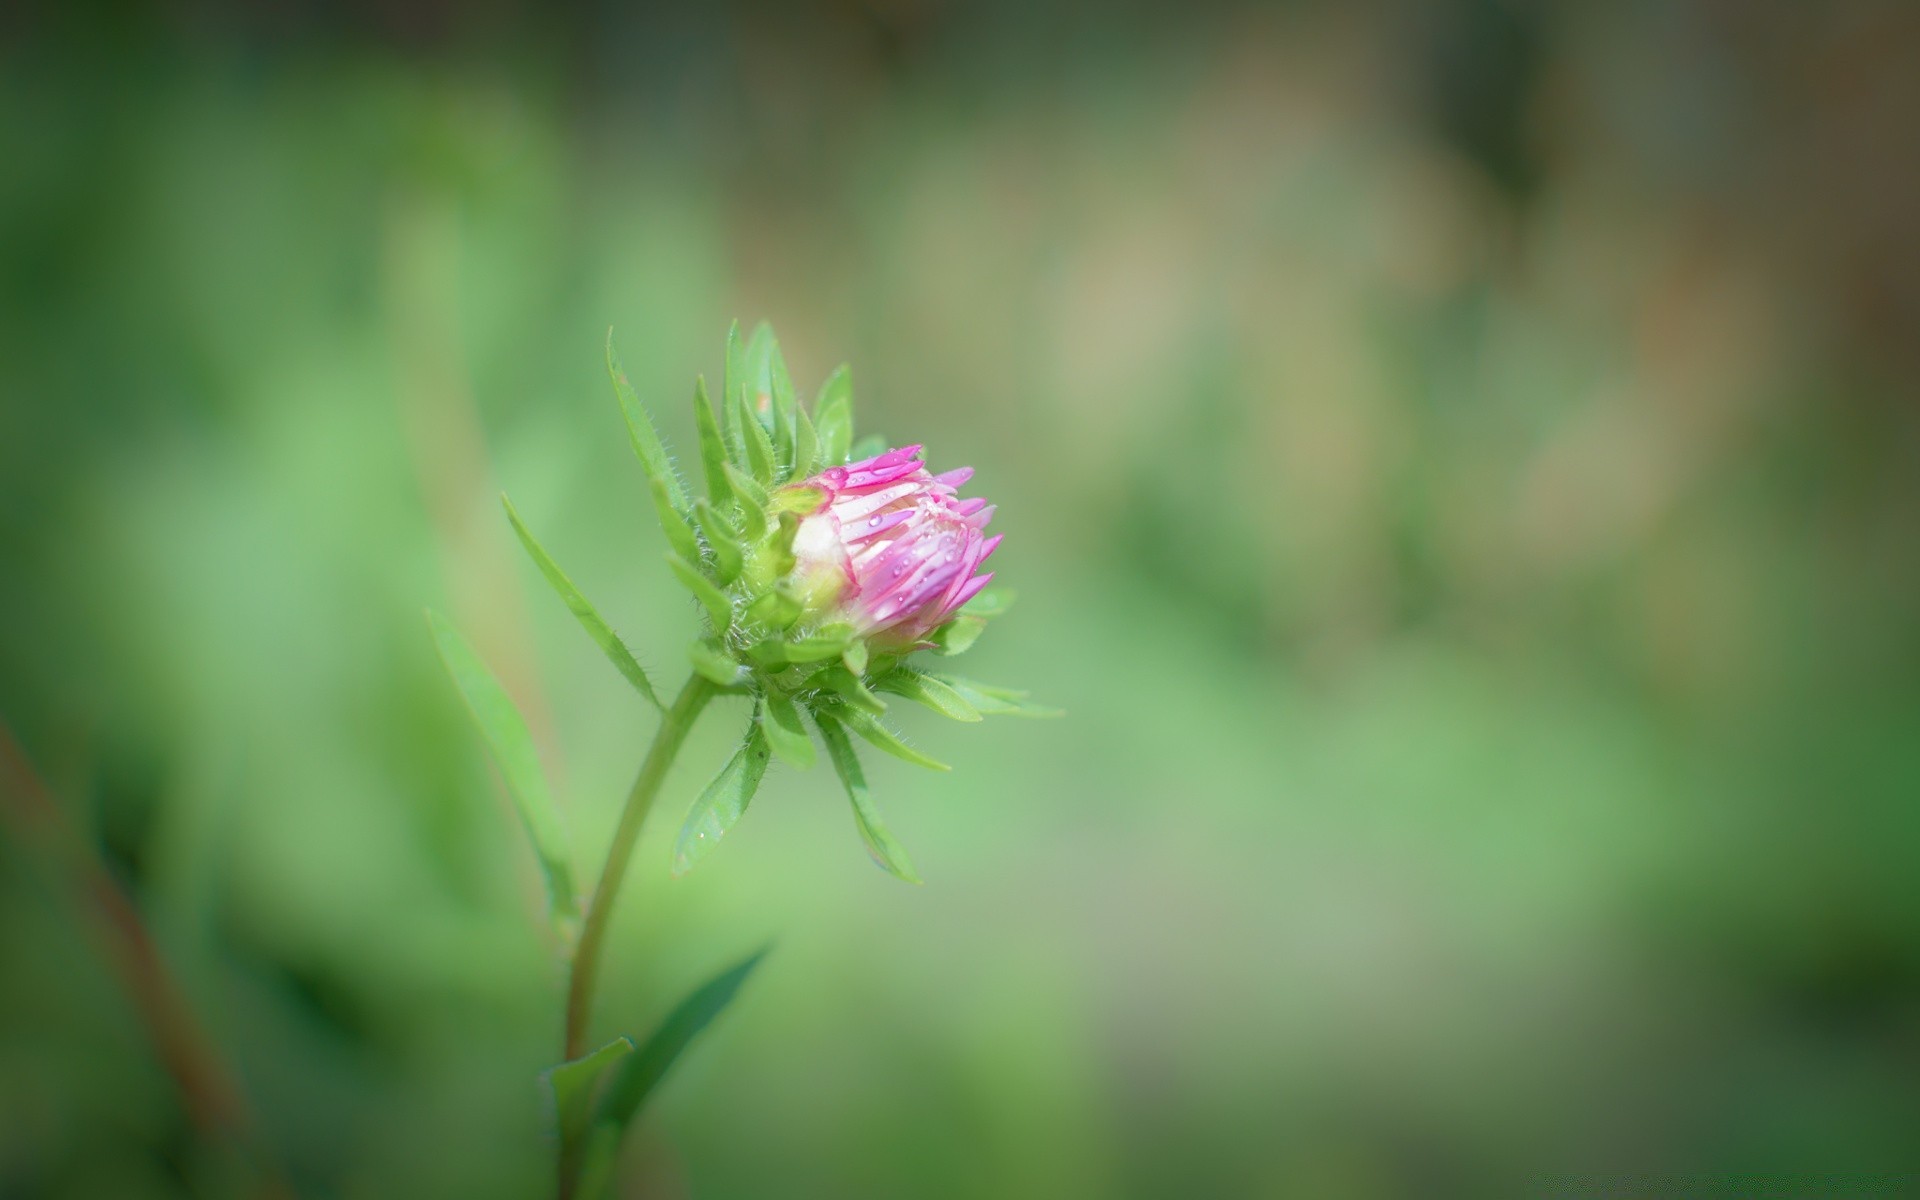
(926, 689)
(637, 1075)
(571, 1088)
(996, 701)
(777, 609)
(855, 657)
(780, 722)
(760, 452)
(850, 688)
(590, 619)
(886, 739)
(806, 446)
(733, 398)
(782, 560)
(713, 447)
(729, 556)
(646, 440)
(867, 447)
(828, 641)
(784, 408)
(723, 801)
(991, 603)
(672, 524)
(719, 608)
(511, 743)
(833, 416)
(713, 663)
(957, 635)
(846, 764)
(753, 502)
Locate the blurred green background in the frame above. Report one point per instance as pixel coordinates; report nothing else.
(1458, 461)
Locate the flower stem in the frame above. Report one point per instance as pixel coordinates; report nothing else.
(673, 729)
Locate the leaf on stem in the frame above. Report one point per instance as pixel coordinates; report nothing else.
(713, 448)
(886, 739)
(571, 1087)
(780, 722)
(584, 612)
(506, 735)
(925, 689)
(880, 843)
(723, 801)
(996, 701)
(646, 440)
(719, 608)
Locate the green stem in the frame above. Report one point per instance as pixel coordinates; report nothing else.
(673, 729)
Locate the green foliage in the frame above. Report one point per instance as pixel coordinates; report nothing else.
(780, 722)
(646, 441)
(507, 737)
(636, 1076)
(572, 1088)
(713, 447)
(719, 608)
(866, 817)
(584, 612)
(925, 689)
(869, 727)
(723, 801)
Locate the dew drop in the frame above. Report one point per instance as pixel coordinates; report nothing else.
(873, 521)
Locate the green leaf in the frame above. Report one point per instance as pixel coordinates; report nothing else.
(679, 533)
(867, 447)
(753, 503)
(760, 452)
(646, 441)
(806, 446)
(506, 735)
(826, 642)
(996, 701)
(780, 721)
(850, 688)
(719, 608)
(887, 852)
(833, 416)
(590, 620)
(855, 656)
(638, 1074)
(572, 1086)
(957, 635)
(886, 739)
(990, 603)
(713, 448)
(723, 801)
(925, 689)
(733, 397)
(729, 556)
(712, 662)
(777, 609)
(784, 408)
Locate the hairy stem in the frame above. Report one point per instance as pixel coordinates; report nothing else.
(673, 729)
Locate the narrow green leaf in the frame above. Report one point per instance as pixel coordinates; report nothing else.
(728, 554)
(833, 416)
(990, 603)
(780, 721)
(925, 689)
(777, 609)
(679, 533)
(719, 608)
(886, 739)
(957, 635)
(760, 452)
(715, 664)
(996, 701)
(855, 656)
(590, 620)
(646, 440)
(713, 447)
(826, 642)
(723, 801)
(571, 1086)
(598, 1157)
(782, 561)
(806, 446)
(850, 688)
(506, 735)
(640, 1073)
(880, 843)
(784, 408)
(733, 397)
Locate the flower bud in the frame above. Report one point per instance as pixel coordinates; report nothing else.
(888, 548)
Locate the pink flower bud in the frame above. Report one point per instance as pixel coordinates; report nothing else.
(889, 548)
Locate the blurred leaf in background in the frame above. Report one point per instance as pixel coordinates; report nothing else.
(1458, 465)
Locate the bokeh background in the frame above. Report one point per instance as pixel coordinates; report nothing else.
(1458, 461)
